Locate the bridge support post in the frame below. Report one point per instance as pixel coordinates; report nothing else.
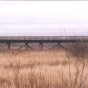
(26, 46)
(58, 45)
(8, 44)
(41, 46)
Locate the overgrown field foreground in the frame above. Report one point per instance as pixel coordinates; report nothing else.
(42, 69)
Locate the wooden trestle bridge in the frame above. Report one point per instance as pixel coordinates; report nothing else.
(41, 39)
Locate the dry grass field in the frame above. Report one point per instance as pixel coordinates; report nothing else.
(42, 69)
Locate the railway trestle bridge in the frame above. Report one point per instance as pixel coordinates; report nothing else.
(41, 39)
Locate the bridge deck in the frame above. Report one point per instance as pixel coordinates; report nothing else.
(41, 39)
(45, 39)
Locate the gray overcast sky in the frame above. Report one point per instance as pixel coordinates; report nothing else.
(43, 18)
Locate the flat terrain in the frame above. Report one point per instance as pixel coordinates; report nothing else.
(42, 69)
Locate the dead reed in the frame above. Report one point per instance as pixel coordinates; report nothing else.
(44, 69)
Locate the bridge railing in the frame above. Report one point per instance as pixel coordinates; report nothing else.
(44, 38)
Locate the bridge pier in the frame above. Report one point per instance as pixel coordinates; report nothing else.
(58, 45)
(26, 46)
(8, 45)
(41, 46)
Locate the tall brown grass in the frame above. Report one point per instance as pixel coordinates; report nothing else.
(42, 69)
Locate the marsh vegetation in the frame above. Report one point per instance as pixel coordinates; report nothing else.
(45, 69)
